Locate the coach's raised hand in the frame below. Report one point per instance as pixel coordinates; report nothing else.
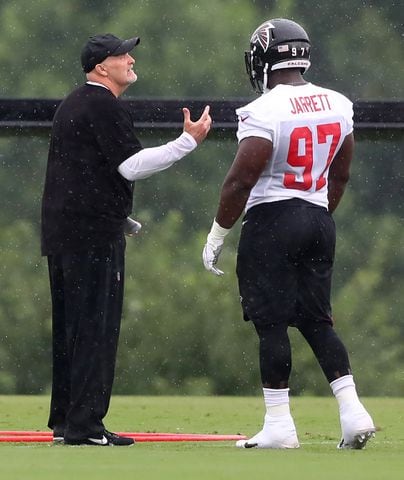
(201, 127)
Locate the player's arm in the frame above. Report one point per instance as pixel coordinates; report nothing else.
(251, 158)
(339, 172)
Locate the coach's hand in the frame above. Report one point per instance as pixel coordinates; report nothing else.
(213, 247)
(201, 127)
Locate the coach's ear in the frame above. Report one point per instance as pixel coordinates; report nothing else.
(100, 69)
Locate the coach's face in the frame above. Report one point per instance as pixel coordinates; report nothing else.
(119, 70)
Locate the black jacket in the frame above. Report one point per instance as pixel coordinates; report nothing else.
(85, 199)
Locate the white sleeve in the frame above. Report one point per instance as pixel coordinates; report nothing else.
(249, 125)
(148, 161)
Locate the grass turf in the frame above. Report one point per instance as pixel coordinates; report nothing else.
(316, 420)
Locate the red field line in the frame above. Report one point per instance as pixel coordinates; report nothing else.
(33, 436)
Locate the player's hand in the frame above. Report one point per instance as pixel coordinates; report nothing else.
(213, 247)
(201, 127)
(131, 227)
(210, 256)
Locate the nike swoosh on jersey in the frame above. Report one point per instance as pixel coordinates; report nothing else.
(244, 118)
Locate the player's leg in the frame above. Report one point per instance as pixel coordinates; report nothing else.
(278, 430)
(356, 423)
(315, 323)
(267, 285)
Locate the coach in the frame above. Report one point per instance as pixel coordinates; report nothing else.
(94, 157)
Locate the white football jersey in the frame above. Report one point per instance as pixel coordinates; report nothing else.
(306, 125)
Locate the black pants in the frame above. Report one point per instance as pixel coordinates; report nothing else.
(284, 263)
(87, 296)
(284, 267)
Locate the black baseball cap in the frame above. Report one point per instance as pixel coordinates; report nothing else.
(99, 47)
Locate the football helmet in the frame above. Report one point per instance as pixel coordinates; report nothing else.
(276, 44)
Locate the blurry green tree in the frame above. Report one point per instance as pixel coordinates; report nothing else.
(182, 330)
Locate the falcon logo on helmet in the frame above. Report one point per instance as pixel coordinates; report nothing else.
(276, 44)
(263, 35)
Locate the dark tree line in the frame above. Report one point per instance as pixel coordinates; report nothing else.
(182, 330)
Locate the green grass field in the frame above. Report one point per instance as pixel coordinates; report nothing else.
(316, 420)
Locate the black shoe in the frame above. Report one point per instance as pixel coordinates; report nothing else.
(118, 440)
(107, 439)
(58, 434)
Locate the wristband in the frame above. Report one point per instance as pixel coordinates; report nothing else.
(217, 233)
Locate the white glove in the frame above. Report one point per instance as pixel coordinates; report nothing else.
(213, 247)
(131, 227)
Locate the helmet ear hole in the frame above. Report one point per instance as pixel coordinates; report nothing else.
(276, 44)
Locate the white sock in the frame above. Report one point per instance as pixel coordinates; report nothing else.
(276, 401)
(345, 391)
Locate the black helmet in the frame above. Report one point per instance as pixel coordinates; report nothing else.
(276, 44)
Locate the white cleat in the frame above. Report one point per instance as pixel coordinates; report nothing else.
(357, 428)
(266, 443)
(277, 433)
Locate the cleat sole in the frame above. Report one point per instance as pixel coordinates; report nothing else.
(359, 441)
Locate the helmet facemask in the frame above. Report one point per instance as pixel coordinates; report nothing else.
(256, 70)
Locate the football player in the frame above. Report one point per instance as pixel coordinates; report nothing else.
(288, 176)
